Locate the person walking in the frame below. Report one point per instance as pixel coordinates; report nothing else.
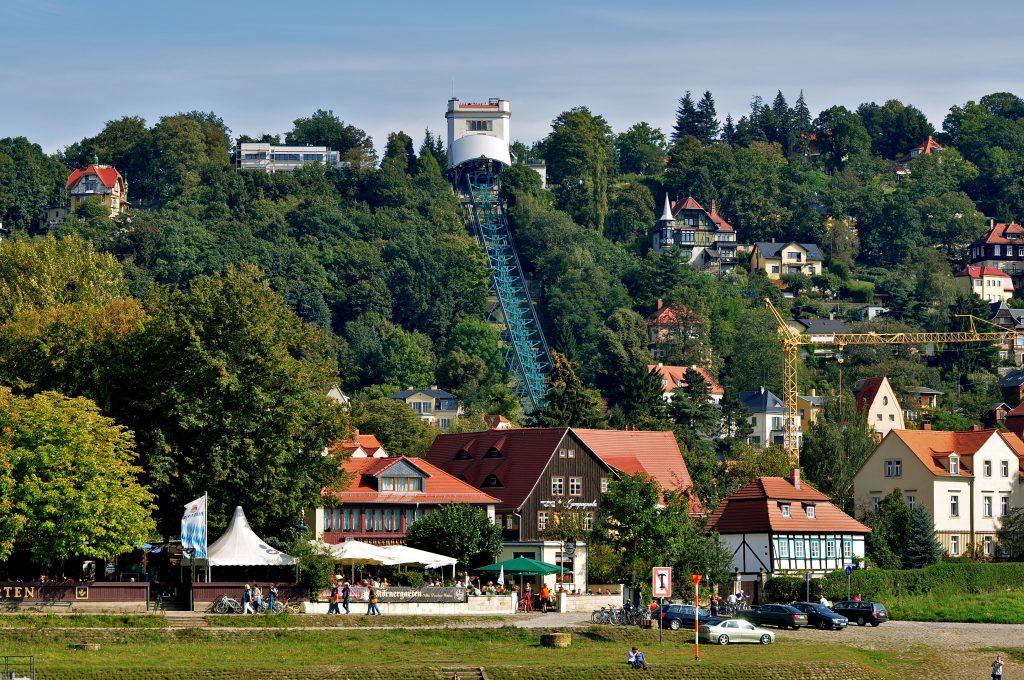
(271, 598)
(997, 668)
(247, 600)
(372, 607)
(257, 598)
(335, 599)
(346, 595)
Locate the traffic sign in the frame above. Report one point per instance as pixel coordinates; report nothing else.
(849, 569)
(807, 576)
(661, 582)
(696, 579)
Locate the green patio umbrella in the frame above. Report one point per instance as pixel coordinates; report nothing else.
(521, 566)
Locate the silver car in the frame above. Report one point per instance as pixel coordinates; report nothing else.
(734, 630)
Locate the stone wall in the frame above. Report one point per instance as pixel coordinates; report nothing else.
(588, 603)
(483, 605)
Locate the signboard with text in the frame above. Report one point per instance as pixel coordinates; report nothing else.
(661, 582)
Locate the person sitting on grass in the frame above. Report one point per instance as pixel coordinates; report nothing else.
(635, 658)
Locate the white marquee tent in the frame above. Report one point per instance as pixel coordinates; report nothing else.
(239, 546)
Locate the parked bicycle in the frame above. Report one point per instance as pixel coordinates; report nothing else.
(226, 605)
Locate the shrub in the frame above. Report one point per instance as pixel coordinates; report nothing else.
(859, 291)
(945, 577)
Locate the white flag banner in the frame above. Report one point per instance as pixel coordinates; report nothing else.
(193, 527)
(501, 576)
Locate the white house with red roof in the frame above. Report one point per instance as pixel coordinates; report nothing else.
(878, 400)
(701, 236)
(363, 446)
(102, 182)
(988, 283)
(1002, 247)
(782, 525)
(678, 377)
(929, 147)
(384, 496)
(968, 480)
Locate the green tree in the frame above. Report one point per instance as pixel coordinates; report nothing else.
(1011, 534)
(641, 150)
(921, 547)
(323, 128)
(459, 530)
(70, 481)
(407, 359)
(631, 214)
(234, 402)
(888, 531)
(580, 158)
(400, 148)
(400, 431)
(895, 128)
(835, 448)
(644, 527)
(29, 179)
(569, 402)
(951, 220)
(841, 136)
(433, 145)
(316, 564)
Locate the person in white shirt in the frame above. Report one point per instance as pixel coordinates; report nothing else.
(732, 598)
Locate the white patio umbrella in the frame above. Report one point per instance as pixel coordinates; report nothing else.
(406, 555)
(357, 552)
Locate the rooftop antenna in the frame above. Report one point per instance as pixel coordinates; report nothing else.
(453, 87)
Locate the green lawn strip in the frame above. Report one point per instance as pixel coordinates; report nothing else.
(83, 621)
(991, 607)
(505, 652)
(353, 621)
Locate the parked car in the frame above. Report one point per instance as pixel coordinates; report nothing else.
(781, 615)
(724, 631)
(863, 612)
(821, 616)
(676, 616)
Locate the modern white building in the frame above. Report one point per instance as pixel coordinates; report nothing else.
(478, 130)
(967, 480)
(779, 525)
(273, 158)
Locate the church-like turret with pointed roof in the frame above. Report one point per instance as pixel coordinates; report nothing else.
(702, 236)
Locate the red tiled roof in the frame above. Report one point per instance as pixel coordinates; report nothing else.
(998, 234)
(525, 453)
(977, 271)
(630, 451)
(671, 314)
(868, 391)
(494, 421)
(108, 175)
(929, 146)
(689, 204)
(1018, 410)
(677, 374)
(932, 447)
(756, 508)
(367, 442)
(718, 219)
(440, 487)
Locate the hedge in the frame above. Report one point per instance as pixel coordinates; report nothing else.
(948, 577)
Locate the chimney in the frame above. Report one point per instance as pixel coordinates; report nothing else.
(433, 387)
(926, 426)
(795, 477)
(975, 428)
(661, 304)
(773, 239)
(814, 392)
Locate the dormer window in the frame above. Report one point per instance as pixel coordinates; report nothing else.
(954, 464)
(785, 509)
(491, 482)
(462, 454)
(492, 453)
(401, 484)
(810, 512)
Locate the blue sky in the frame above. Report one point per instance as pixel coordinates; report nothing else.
(68, 67)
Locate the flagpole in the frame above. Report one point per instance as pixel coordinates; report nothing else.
(206, 535)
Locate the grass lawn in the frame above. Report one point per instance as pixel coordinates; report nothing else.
(507, 653)
(993, 607)
(132, 621)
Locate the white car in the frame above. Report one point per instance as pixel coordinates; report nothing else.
(725, 631)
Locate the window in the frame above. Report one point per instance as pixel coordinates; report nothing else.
(350, 520)
(563, 453)
(987, 467)
(479, 125)
(327, 520)
(911, 500)
(798, 548)
(444, 423)
(1004, 469)
(954, 545)
(885, 401)
(557, 486)
(1004, 506)
(753, 420)
(775, 269)
(604, 485)
(793, 255)
(784, 547)
(815, 549)
(878, 417)
(830, 549)
(875, 500)
(542, 520)
(893, 467)
(785, 510)
(588, 521)
(954, 506)
(977, 283)
(986, 505)
(575, 486)
(954, 464)
(988, 546)
(776, 422)
(492, 482)
(847, 548)
(810, 512)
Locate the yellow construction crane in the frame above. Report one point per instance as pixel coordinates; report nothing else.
(792, 340)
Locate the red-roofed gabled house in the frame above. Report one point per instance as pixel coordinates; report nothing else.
(779, 524)
(702, 236)
(362, 446)
(102, 182)
(384, 496)
(967, 480)
(989, 283)
(1002, 247)
(877, 399)
(675, 377)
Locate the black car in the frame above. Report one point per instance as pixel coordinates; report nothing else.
(821, 616)
(863, 612)
(781, 615)
(676, 616)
